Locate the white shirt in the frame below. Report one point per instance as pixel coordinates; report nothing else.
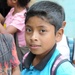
(63, 47)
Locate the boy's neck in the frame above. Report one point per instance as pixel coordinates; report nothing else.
(38, 58)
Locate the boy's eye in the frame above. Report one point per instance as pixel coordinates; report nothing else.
(28, 30)
(43, 31)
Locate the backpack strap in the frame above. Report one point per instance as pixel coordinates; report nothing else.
(24, 57)
(74, 52)
(70, 42)
(58, 61)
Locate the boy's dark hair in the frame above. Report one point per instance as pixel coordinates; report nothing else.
(48, 11)
(23, 3)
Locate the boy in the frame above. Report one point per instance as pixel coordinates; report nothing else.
(43, 30)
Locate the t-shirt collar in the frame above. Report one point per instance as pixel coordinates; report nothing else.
(40, 66)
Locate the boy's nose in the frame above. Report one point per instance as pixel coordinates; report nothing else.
(34, 37)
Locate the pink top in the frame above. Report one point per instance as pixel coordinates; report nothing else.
(18, 21)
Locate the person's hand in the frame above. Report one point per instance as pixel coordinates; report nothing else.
(2, 29)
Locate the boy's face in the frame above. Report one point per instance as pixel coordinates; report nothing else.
(40, 35)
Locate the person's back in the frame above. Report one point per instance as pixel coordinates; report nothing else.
(9, 63)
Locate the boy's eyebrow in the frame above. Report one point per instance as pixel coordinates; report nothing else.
(28, 25)
(42, 26)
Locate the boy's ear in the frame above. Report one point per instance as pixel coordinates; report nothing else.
(63, 24)
(59, 34)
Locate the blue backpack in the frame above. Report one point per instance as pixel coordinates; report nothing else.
(71, 45)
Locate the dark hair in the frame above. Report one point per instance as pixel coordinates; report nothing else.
(49, 11)
(4, 8)
(23, 3)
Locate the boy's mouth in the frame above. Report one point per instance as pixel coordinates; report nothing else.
(34, 46)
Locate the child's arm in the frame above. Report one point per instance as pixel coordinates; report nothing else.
(2, 19)
(10, 29)
(14, 26)
(2, 30)
(16, 71)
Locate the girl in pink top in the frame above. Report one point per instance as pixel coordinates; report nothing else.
(14, 22)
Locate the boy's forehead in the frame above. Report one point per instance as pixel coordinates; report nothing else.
(41, 26)
(37, 21)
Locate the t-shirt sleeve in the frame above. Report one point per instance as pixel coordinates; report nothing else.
(18, 22)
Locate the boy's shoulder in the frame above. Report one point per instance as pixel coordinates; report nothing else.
(65, 68)
(60, 64)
